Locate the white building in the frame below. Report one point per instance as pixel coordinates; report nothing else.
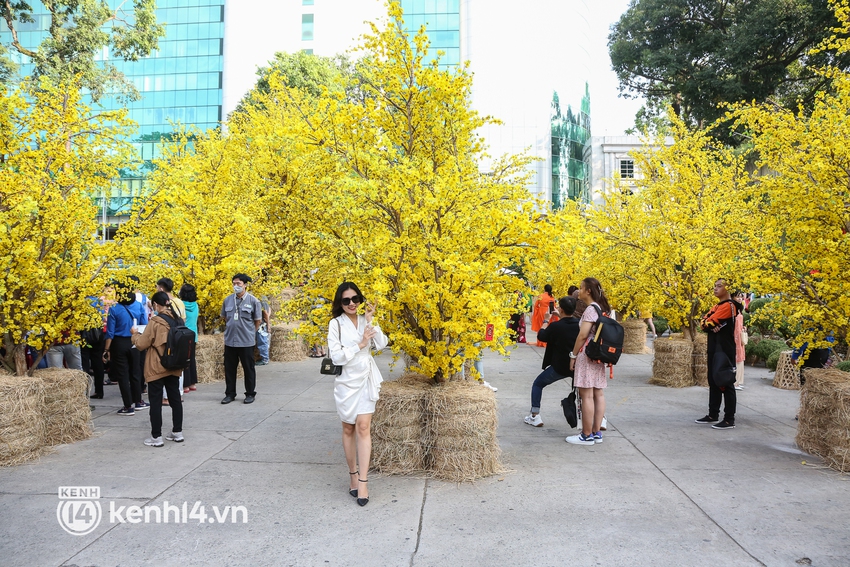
(611, 156)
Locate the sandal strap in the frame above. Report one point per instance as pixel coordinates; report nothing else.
(361, 480)
(355, 472)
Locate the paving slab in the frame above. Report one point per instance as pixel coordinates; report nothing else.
(661, 490)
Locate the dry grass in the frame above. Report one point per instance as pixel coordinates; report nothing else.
(445, 431)
(22, 428)
(787, 375)
(209, 357)
(634, 341)
(672, 365)
(824, 419)
(66, 411)
(284, 346)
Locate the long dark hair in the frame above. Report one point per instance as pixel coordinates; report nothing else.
(595, 288)
(161, 298)
(336, 307)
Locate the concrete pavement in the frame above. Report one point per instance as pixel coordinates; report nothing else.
(661, 490)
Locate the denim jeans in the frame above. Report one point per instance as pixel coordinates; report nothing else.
(548, 376)
(69, 354)
(263, 344)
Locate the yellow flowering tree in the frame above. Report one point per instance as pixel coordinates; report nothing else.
(201, 222)
(56, 155)
(382, 188)
(666, 242)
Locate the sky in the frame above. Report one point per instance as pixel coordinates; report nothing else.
(521, 51)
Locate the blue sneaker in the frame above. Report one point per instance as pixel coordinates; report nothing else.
(581, 439)
(597, 437)
(142, 405)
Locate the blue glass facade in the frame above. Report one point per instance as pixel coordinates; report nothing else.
(181, 82)
(441, 19)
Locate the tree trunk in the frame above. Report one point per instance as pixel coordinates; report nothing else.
(19, 354)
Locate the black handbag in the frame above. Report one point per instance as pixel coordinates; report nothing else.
(722, 370)
(328, 367)
(569, 405)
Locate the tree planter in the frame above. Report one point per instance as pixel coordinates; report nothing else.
(209, 358)
(66, 412)
(700, 355)
(284, 346)
(445, 431)
(22, 430)
(634, 341)
(787, 375)
(824, 418)
(673, 364)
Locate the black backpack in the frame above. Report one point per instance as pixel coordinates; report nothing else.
(179, 346)
(606, 344)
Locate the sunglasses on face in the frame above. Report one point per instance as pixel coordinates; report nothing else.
(356, 299)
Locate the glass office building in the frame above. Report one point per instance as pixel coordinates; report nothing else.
(181, 82)
(441, 19)
(570, 135)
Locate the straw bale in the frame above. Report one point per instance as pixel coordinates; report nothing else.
(700, 356)
(22, 428)
(276, 302)
(672, 365)
(209, 358)
(285, 346)
(462, 422)
(66, 410)
(787, 375)
(634, 341)
(398, 425)
(824, 418)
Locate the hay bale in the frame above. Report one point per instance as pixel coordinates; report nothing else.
(209, 358)
(22, 428)
(285, 346)
(276, 302)
(634, 341)
(787, 375)
(398, 425)
(461, 426)
(672, 365)
(700, 356)
(824, 418)
(66, 410)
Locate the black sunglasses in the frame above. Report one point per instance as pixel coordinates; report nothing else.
(356, 299)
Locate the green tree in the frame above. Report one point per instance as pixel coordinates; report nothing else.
(77, 32)
(698, 54)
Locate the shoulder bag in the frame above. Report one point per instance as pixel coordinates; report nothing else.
(328, 367)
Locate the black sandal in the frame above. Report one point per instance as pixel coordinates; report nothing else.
(353, 491)
(362, 501)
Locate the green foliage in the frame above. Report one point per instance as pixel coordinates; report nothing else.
(78, 32)
(766, 347)
(312, 73)
(757, 304)
(697, 54)
(773, 360)
(845, 366)
(660, 325)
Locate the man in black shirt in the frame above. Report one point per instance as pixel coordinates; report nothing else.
(560, 338)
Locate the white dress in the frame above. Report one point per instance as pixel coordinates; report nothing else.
(356, 389)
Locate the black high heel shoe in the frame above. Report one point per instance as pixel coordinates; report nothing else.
(362, 501)
(96, 396)
(353, 491)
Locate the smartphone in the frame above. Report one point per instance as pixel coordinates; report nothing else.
(551, 307)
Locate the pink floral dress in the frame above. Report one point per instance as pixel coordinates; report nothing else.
(589, 373)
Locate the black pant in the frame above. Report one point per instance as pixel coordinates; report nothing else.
(232, 357)
(124, 369)
(190, 373)
(172, 387)
(92, 358)
(728, 394)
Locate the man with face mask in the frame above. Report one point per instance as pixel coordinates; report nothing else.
(243, 315)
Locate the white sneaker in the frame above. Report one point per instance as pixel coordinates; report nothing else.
(153, 441)
(580, 439)
(604, 426)
(534, 420)
(739, 387)
(176, 437)
(494, 388)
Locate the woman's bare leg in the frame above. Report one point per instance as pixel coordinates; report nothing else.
(350, 447)
(364, 451)
(599, 408)
(587, 410)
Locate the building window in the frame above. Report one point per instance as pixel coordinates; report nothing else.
(307, 51)
(306, 27)
(627, 169)
(306, 2)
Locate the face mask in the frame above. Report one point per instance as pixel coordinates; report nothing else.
(238, 289)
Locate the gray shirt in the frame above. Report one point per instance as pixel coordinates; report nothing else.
(240, 331)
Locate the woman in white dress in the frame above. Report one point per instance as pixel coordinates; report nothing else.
(350, 340)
